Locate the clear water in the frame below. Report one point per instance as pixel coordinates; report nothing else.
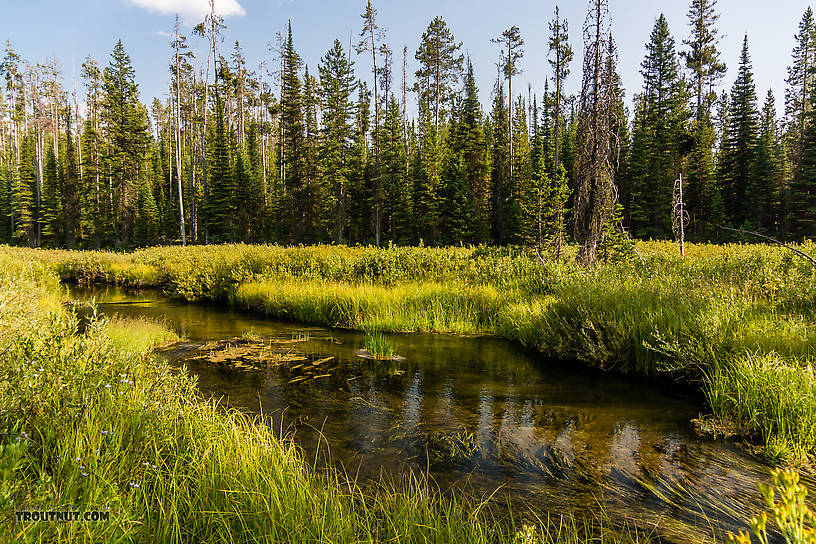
(480, 415)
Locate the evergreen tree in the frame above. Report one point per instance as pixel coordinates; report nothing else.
(594, 170)
(801, 208)
(521, 203)
(738, 150)
(50, 212)
(764, 192)
(500, 170)
(221, 203)
(316, 222)
(473, 147)
(337, 85)
(659, 124)
(560, 57)
(294, 186)
(703, 60)
(127, 136)
(23, 208)
(800, 85)
(440, 67)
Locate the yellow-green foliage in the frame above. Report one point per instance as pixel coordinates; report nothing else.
(90, 420)
(702, 318)
(138, 335)
(790, 514)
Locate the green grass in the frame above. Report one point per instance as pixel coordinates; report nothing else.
(90, 419)
(138, 335)
(703, 321)
(378, 346)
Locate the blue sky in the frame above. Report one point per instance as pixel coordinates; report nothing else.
(73, 29)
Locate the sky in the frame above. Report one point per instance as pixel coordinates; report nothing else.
(70, 30)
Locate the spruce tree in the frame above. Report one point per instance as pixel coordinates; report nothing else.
(703, 60)
(23, 201)
(126, 130)
(738, 150)
(337, 86)
(801, 207)
(500, 169)
(294, 186)
(764, 191)
(473, 146)
(660, 117)
(220, 204)
(800, 80)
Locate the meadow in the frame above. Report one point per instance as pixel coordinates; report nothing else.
(734, 322)
(90, 418)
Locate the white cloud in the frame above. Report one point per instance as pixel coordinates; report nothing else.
(162, 33)
(192, 11)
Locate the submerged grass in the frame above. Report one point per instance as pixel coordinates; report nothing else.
(88, 420)
(735, 321)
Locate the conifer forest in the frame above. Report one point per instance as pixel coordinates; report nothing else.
(308, 154)
(382, 299)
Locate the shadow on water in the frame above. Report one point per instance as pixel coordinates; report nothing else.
(479, 414)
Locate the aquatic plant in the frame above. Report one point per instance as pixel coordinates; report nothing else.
(378, 346)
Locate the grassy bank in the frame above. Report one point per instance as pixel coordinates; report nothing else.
(90, 420)
(735, 321)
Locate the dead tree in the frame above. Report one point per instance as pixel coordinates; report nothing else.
(679, 216)
(594, 169)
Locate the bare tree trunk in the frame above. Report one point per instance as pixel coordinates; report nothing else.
(178, 139)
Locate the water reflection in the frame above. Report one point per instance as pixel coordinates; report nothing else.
(485, 412)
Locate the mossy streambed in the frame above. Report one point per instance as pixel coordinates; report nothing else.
(479, 415)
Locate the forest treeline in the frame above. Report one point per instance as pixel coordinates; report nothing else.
(292, 153)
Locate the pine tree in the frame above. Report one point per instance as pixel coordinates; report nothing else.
(561, 55)
(512, 51)
(440, 67)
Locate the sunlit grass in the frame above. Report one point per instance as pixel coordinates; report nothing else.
(698, 320)
(91, 420)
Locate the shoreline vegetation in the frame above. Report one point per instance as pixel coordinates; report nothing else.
(90, 418)
(100, 422)
(735, 322)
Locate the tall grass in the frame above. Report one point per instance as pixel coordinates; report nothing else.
(699, 320)
(89, 420)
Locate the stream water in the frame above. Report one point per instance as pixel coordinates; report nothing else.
(479, 415)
